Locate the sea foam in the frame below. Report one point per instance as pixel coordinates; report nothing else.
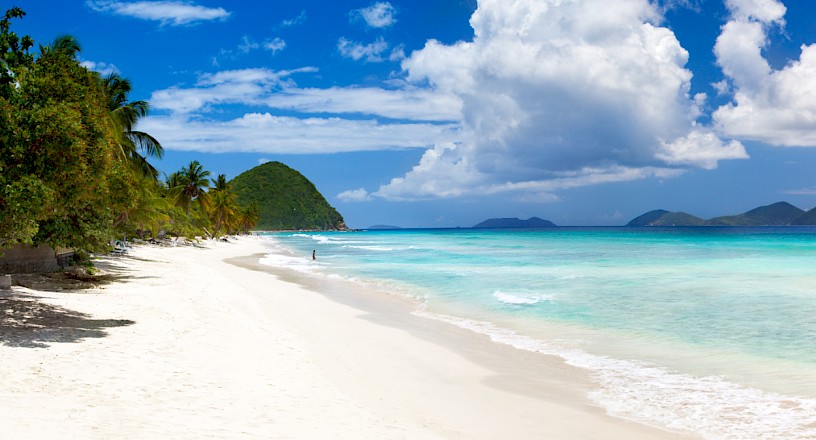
(708, 406)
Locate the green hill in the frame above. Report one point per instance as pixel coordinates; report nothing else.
(806, 219)
(648, 218)
(286, 199)
(777, 214)
(661, 217)
(515, 223)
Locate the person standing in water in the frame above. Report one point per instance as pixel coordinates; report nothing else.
(314, 257)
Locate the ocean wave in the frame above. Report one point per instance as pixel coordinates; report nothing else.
(300, 264)
(520, 299)
(370, 248)
(709, 406)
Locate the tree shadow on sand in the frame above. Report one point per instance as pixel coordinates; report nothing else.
(26, 322)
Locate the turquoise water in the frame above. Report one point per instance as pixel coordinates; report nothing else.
(705, 330)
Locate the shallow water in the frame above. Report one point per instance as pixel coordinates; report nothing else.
(705, 330)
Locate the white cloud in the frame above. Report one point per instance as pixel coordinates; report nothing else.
(768, 11)
(245, 86)
(300, 19)
(378, 15)
(722, 87)
(371, 52)
(275, 45)
(247, 44)
(103, 68)
(354, 195)
(701, 149)
(266, 133)
(276, 89)
(173, 13)
(410, 103)
(777, 107)
(560, 94)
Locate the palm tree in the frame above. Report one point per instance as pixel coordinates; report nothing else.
(223, 206)
(149, 209)
(220, 183)
(192, 182)
(63, 44)
(135, 146)
(248, 217)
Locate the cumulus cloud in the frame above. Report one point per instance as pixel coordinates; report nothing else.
(354, 195)
(701, 149)
(378, 15)
(561, 94)
(174, 13)
(777, 107)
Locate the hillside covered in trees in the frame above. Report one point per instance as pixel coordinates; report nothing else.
(285, 199)
(777, 214)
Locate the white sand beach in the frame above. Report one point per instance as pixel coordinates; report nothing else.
(197, 343)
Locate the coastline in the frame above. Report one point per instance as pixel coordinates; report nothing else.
(222, 346)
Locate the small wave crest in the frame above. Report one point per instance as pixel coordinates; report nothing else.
(370, 248)
(519, 298)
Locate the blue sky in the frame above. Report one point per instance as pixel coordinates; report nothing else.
(444, 113)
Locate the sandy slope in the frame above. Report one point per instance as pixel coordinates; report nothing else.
(190, 346)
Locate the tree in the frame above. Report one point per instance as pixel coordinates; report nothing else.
(56, 166)
(222, 209)
(66, 45)
(134, 146)
(248, 217)
(192, 182)
(14, 56)
(220, 183)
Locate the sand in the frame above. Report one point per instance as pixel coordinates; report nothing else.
(195, 343)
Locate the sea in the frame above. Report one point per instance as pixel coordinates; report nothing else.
(709, 331)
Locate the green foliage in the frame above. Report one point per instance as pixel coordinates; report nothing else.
(776, 214)
(55, 157)
(188, 185)
(780, 213)
(285, 199)
(14, 56)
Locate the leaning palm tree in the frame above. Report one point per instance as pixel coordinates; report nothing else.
(148, 212)
(134, 146)
(223, 206)
(191, 184)
(248, 217)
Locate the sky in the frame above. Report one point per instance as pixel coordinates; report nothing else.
(443, 113)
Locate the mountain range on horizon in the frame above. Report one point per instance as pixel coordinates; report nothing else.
(776, 214)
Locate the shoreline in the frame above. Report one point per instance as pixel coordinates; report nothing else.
(223, 346)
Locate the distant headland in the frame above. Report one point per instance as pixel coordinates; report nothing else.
(515, 223)
(776, 214)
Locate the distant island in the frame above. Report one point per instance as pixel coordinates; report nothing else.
(383, 227)
(515, 223)
(776, 214)
(286, 199)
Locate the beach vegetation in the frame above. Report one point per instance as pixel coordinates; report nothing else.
(189, 185)
(75, 171)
